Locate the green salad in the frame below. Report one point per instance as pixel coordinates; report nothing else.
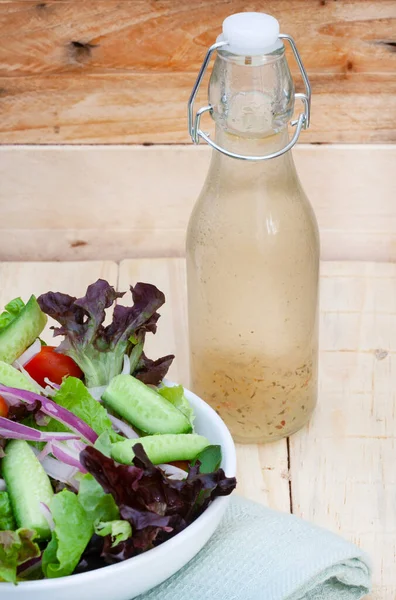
(99, 460)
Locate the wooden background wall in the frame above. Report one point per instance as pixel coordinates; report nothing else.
(103, 72)
(120, 71)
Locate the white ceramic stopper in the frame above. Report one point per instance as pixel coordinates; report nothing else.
(250, 33)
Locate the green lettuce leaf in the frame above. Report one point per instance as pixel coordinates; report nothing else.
(11, 311)
(98, 505)
(209, 458)
(75, 517)
(7, 520)
(16, 547)
(73, 530)
(120, 531)
(74, 396)
(106, 440)
(175, 395)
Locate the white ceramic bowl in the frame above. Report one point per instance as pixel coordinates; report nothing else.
(128, 579)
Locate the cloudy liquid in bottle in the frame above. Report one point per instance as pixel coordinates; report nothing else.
(253, 269)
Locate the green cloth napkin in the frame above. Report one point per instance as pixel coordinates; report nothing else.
(260, 554)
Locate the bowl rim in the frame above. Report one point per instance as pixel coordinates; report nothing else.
(218, 504)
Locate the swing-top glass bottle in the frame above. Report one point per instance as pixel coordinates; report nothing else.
(253, 243)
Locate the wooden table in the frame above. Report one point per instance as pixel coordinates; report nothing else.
(338, 472)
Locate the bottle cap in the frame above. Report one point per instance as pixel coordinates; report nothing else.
(250, 33)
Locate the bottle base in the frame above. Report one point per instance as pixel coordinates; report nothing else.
(239, 439)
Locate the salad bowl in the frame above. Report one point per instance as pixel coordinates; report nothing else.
(134, 576)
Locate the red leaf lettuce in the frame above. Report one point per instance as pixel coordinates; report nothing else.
(156, 507)
(98, 349)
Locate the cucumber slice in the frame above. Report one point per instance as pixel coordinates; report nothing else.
(144, 407)
(11, 377)
(22, 331)
(161, 448)
(27, 485)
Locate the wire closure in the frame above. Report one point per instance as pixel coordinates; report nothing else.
(301, 123)
(192, 127)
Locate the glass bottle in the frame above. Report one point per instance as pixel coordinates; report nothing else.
(253, 255)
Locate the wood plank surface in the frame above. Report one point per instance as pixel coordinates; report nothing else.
(342, 466)
(109, 71)
(77, 203)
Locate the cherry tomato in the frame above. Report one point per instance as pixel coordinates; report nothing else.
(3, 407)
(51, 364)
(181, 464)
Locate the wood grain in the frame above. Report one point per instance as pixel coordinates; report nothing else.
(24, 279)
(108, 71)
(262, 471)
(76, 203)
(349, 445)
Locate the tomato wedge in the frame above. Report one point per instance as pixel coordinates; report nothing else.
(3, 407)
(181, 464)
(51, 364)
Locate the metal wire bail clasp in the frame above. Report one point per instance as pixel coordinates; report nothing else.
(302, 122)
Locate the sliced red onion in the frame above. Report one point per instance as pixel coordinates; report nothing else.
(51, 389)
(76, 445)
(67, 456)
(29, 353)
(44, 452)
(31, 408)
(17, 431)
(53, 410)
(126, 368)
(3, 485)
(65, 452)
(41, 419)
(12, 401)
(28, 567)
(97, 392)
(126, 429)
(40, 389)
(60, 471)
(45, 510)
(53, 385)
(173, 472)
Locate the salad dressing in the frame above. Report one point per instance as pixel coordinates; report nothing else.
(253, 258)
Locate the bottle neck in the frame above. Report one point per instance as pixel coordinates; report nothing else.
(251, 97)
(252, 100)
(244, 170)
